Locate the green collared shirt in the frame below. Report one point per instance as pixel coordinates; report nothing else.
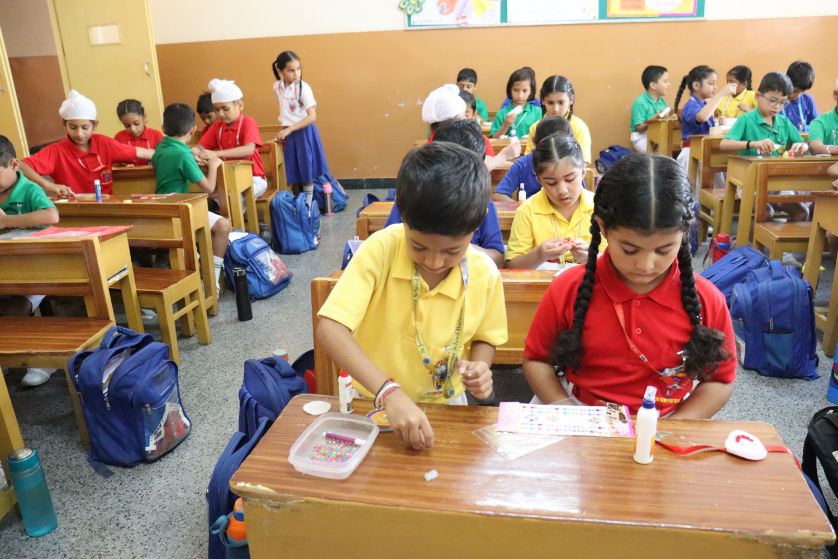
(174, 167)
(825, 128)
(480, 108)
(751, 127)
(644, 108)
(25, 197)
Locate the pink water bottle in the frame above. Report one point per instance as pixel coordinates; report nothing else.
(327, 191)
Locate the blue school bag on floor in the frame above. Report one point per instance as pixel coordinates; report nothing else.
(130, 399)
(295, 227)
(266, 273)
(368, 199)
(268, 386)
(609, 156)
(732, 268)
(774, 323)
(339, 196)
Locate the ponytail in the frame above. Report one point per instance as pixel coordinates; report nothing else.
(680, 93)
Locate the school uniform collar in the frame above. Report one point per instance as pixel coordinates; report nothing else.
(667, 294)
(541, 205)
(170, 142)
(649, 98)
(92, 146)
(403, 266)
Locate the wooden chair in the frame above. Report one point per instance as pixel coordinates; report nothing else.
(807, 176)
(274, 160)
(710, 198)
(60, 267)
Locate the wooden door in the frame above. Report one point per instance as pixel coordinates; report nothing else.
(11, 124)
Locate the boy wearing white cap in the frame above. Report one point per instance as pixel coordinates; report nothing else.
(233, 135)
(80, 158)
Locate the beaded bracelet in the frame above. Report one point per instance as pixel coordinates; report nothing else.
(380, 388)
(389, 389)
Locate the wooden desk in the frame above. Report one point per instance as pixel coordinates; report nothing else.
(154, 220)
(664, 136)
(582, 497)
(746, 173)
(234, 182)
(824, 220)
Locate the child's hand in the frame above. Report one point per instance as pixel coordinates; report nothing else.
(744, 108)
(553, 249)
(729, 89)
(511, 151)
(3, 220)
(59, 190)
(213, 162)
(409, 421)
(835, 184)
(579, 250)
(477, 378)
(282, 134)
(510, 117)
(799, 148)
(763, 146)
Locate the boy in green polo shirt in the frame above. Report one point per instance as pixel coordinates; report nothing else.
(175, 167)
(467, 81)
(649, 106)
(823, 131)
(22, 204)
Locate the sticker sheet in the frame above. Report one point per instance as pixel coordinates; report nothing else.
(611, 420)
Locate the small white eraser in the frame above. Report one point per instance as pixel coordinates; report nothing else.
(431, 475)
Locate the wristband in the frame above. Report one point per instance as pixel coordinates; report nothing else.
(380, 388)
(379, 396)
(748, 144)
(392, 387)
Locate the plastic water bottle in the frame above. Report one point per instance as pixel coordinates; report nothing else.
(522, 193)
(327, 193)
(97, 188)
(242, 294)
(646, 427)
(32, 492)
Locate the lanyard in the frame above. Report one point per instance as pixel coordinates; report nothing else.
(90, 156)
(441, 372)
(667, 372)
(238, 126)
(802, 122)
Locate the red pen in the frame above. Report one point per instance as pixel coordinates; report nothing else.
(343, 438)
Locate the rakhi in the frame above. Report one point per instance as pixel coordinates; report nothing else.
(738, 443)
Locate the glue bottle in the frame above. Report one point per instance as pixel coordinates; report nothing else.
(522, 193)
(97, 188)
(345, 392)
(646, 427)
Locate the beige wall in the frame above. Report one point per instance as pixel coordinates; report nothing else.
(26, 28)
(369, 86)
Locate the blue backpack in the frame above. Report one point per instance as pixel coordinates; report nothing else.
(266, 274)
(732, 268)
(220, 499)
(774, 323)
(130, 399)
(339, 196)
(294, 231)
(609, 156)
(268, 386)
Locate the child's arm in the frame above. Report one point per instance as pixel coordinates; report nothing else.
(710, 107)
(49, 186)
(240, 152)
(496, 256)
(505, 124)
(311, 117)
(477, 376)
(508, 153)
(765, 146)
(708, 398)
(38, 218)
(208, 182)
(144, 153)
(817, 147)
(833, 170)
(404, 415)
(545, 384)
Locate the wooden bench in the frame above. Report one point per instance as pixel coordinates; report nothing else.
(824, 220)
(522, 289)
(664, 137)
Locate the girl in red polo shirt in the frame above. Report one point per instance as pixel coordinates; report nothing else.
(131, 114)
(637, 315)
(82, 157)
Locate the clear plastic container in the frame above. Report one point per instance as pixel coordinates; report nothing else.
(316, 454)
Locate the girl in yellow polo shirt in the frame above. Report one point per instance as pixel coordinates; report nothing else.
(553, 225)
(744, 100)
(557, 98)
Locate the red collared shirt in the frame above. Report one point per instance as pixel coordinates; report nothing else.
(148, 139)
(656, 322)
(77, 169)
(227, 136)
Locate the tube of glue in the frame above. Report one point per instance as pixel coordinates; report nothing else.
(646, 428)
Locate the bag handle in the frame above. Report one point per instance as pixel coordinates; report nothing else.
(119, 337)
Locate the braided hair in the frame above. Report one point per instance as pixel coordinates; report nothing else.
(645, 193)
(558, 84)
(282, 59)
(697, 74)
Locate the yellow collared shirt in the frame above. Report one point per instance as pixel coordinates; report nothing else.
(729, 107)
(536, 221)
(580, 131)
(373, 299)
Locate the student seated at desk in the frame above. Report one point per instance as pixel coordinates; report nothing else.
(82, 157)
(415, 295)
(522, 171)
(22, 204)
(175, 167)
(742, 100)
(801, 109)
(131, 114)
(823, 131)
(557, 99)
(206, 112)
(597, 324)
(766, 131)
(520, 113)
(554, 225)
(487, 237)
(233, 135)
(648, 107)
(467, 81)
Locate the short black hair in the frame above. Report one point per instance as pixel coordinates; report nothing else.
(7, 151)
(469, 99)
(801, 74)
(463, 132)
(443, 189)
(775, 81)
(204, 104)
(549, 125)
(178, 119)
(467, 75)
(651, 74)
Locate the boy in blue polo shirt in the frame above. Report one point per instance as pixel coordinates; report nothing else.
(801, 109)
(823, 131)
(649, 106)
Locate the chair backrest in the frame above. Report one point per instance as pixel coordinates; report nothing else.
(800, 176)
(325, 368)
(274, 160)
(61, 267)
(269, 132)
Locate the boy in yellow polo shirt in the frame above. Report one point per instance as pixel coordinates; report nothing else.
(416, 294)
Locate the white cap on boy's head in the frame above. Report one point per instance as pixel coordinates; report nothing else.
(443, 103)
(224, 91)
(77, 107)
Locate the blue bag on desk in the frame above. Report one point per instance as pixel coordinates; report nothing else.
(266, 273)
(295, 226)
(774, 323)
(339, 196)
(609, 156)
(732, 268)
(268, 386)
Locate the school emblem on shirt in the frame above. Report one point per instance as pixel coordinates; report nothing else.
(107, 177)
(292, 106)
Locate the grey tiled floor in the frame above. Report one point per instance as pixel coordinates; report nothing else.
(158, 510)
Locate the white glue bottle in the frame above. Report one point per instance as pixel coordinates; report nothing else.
(345, 392)
(646, 427)
(522, 193)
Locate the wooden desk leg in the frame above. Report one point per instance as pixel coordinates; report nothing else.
(250, 208)
(77, 411)
(727, 208)
(202, 236)
(746, 207)
(10, 439)
(814, 254)
(128, 287)
(234, 205)
(362, 228)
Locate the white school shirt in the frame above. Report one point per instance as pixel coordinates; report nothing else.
(292, 110)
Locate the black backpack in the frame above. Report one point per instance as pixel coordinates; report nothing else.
(821, 445)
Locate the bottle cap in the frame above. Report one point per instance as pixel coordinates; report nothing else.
(239, 272)
(281, 353)
(22, 460)
(649, 397)
(344, 374)
(21, 454)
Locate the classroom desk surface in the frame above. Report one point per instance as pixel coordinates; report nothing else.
(824, 220)
(664, 136)
(143, 213)
(582, 495)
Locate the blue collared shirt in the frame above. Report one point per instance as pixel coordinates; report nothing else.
(521, 171)
(689, 125)
(801, 112)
